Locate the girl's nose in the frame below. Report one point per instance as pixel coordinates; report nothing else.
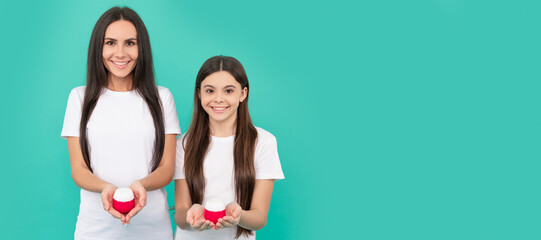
(219, 97)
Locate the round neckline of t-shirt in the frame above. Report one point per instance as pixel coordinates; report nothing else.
(222, 139)
(119, 92)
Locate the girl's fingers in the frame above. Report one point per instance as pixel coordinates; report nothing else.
(236, 213)
(222, 223)
(230, 221)
(143, 200)
(197, 224)
(203, 226)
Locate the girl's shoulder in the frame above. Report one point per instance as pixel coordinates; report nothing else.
(180, 142)
(264, 135)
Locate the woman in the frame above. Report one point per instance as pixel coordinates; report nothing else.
(121, 130)
(223, 156)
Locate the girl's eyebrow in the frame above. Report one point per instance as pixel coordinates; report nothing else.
(230, 86)
(129, 39)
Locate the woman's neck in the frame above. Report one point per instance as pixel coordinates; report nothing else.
(223, 128)
(120, 84)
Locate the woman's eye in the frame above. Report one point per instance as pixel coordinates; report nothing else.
(130, 43)
(209, 90)
(111, 43)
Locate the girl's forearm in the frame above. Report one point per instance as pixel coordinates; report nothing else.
(180, 218)
(253, 219)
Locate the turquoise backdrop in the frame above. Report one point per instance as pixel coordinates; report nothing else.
(395, 119)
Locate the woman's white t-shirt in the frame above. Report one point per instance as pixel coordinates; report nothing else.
(218, 169)
(121, 138)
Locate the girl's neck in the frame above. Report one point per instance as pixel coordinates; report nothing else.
(225, 128)
(120, 84)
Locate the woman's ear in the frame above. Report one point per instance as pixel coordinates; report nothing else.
(244, 94)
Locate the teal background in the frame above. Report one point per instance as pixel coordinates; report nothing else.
(394, 119)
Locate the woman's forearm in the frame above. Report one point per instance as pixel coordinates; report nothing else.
(160, 178)
(163, 174)
(88, 181)
(81, 174)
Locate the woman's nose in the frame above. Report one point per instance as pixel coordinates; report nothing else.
(120, 53)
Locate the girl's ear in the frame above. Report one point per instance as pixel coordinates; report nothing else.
(244, 94)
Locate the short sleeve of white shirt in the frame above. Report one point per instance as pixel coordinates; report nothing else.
(170, 116)
(72, 118)
(267, 162)
(179, 160)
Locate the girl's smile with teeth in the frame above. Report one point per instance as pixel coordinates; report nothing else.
(219, 108)
(220, 95)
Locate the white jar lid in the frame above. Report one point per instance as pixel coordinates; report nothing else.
(214, 205)
(123, 194)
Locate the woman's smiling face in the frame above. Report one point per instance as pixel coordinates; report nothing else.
(120, 50)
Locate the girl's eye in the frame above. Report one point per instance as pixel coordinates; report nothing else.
(209, 90)
(229, 90)
(111, 43)
(130, 43)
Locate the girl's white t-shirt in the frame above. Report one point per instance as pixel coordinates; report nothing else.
(218, 169)
(121, 138)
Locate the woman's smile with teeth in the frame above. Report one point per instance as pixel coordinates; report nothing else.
(121, 63)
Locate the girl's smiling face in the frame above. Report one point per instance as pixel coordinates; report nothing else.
(220, 95)
(120, 49)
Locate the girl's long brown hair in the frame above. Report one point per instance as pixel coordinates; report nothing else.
(197, 139)
(143, 79)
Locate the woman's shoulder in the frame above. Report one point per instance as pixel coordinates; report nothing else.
(78, 92)
(80, 89)
(164, 93)
(163, 90)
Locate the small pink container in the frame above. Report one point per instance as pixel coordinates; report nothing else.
(123, 200)
(214, 210)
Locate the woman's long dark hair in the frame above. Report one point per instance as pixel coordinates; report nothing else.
(197, 139)
(143, 78)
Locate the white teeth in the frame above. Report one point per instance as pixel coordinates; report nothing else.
(219, 109)
(120, 63)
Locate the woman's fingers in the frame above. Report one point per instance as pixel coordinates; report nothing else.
(133, 212)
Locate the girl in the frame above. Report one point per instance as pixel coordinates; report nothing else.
(224, 156)
(121, 132)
